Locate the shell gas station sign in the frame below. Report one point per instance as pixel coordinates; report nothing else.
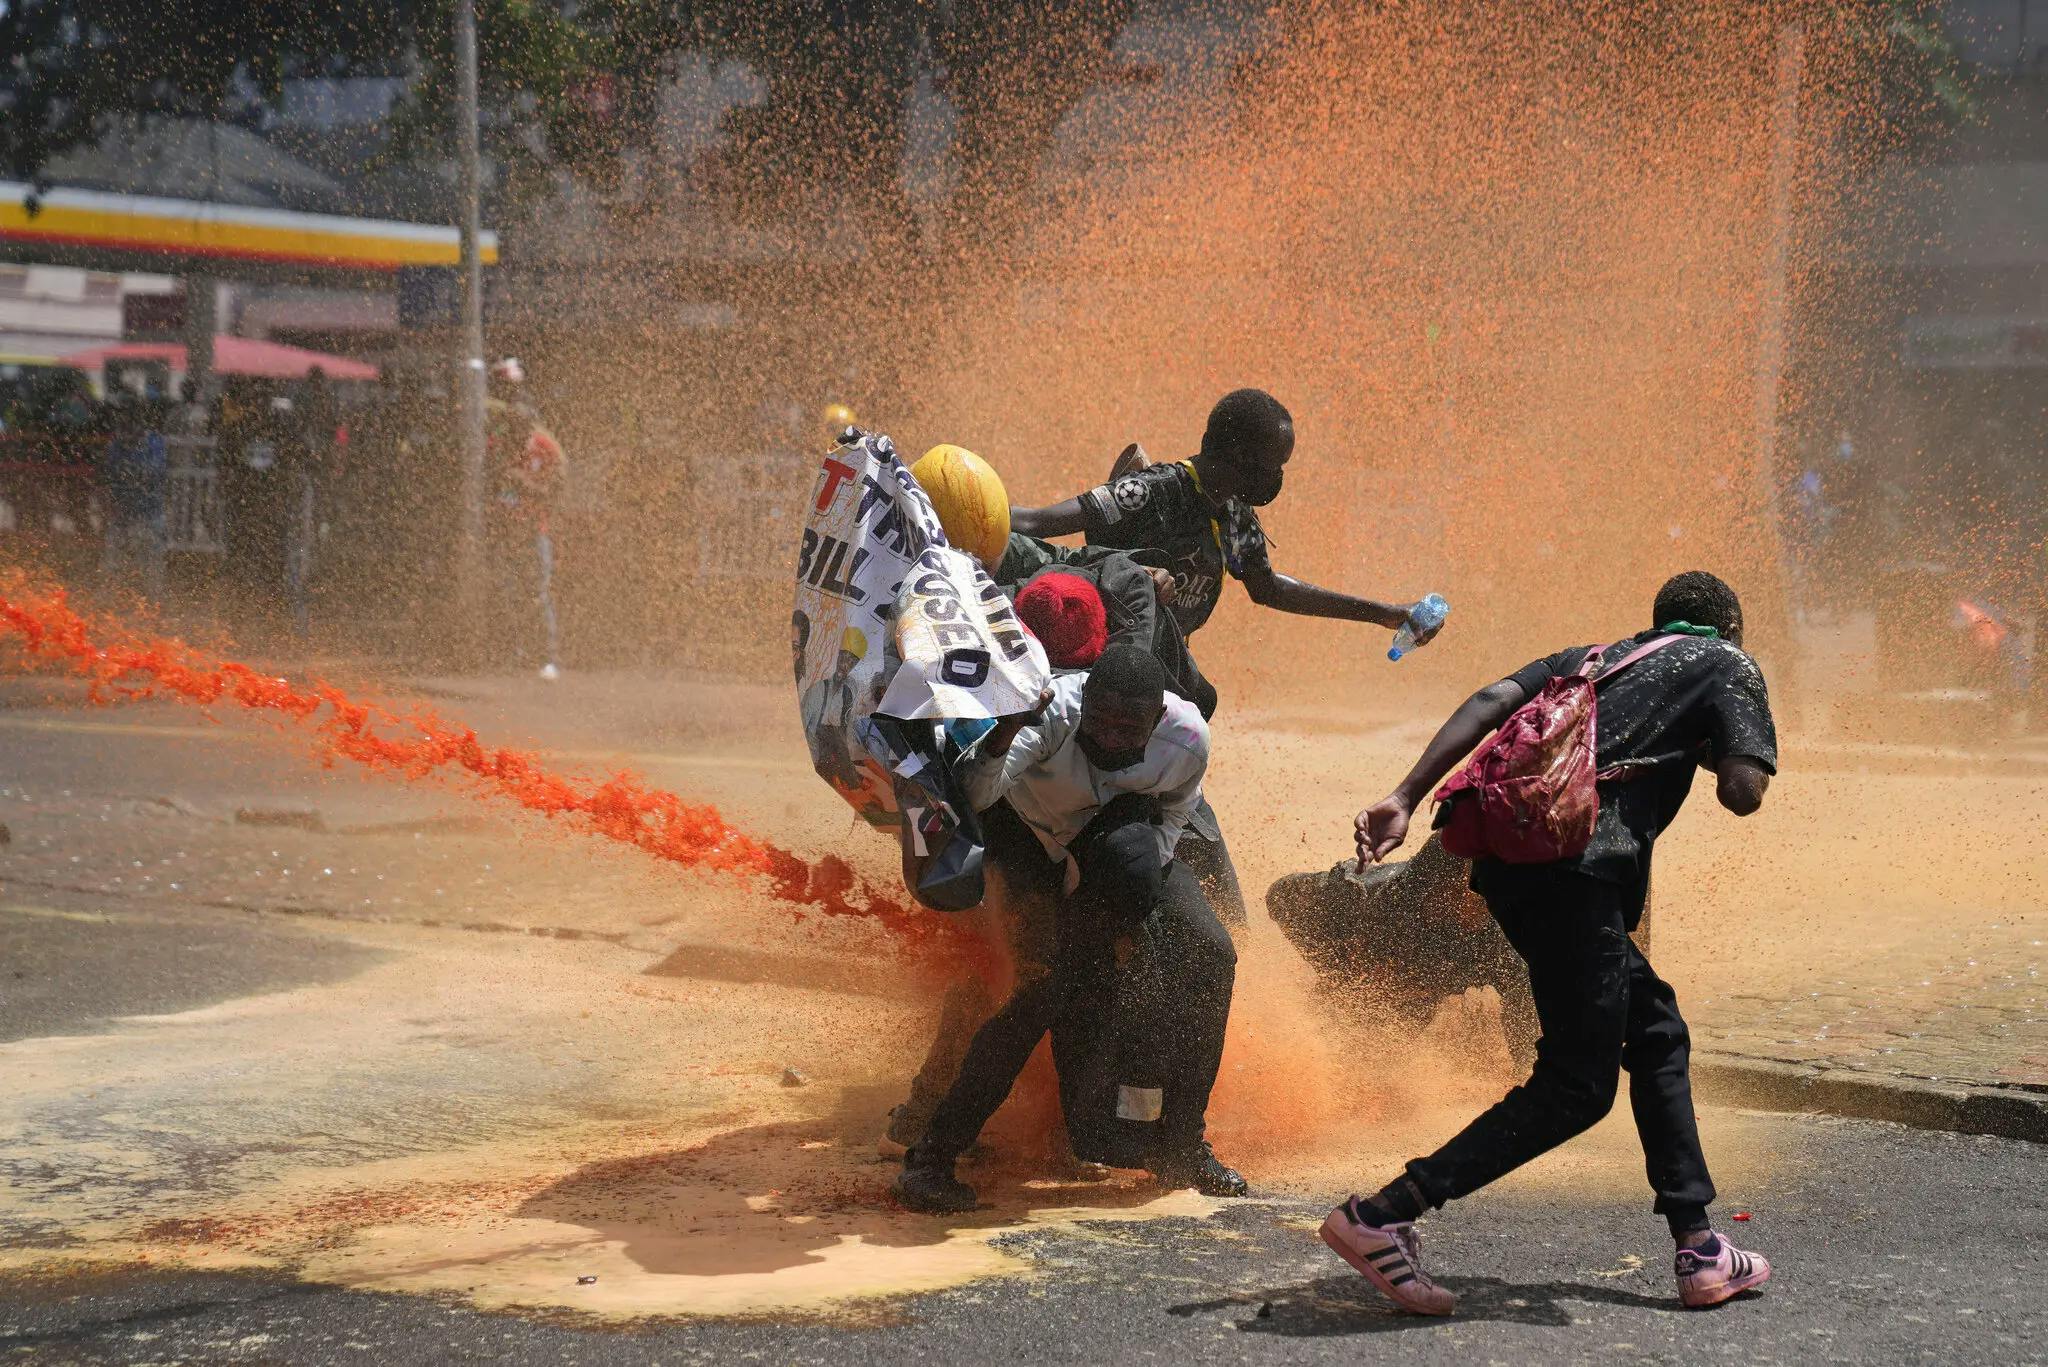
(141, 232)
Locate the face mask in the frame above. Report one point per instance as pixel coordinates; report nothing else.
(1259, 485)
(1108, 761)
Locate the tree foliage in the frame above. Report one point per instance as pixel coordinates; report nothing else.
(78, 71)
(75, 68)
(578, 84)
(1923, 87)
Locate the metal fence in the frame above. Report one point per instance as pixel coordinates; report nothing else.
(194, 514)
(193, 511)
(51, 489)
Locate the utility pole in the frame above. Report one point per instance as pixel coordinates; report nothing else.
(1773, 345)
(469, 557)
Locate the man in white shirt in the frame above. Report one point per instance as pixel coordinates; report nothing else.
(1102, 778)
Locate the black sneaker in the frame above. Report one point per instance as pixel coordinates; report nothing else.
(1201, 1169)
(931, 1189)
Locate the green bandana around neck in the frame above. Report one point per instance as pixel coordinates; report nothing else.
(1688, 629)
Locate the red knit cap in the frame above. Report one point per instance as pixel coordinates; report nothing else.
(1065, 613)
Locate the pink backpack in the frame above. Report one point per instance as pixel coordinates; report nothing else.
(1528, 795)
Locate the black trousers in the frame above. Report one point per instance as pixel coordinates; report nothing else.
(1602, 1009)
(1180, 978)
(1019, 920)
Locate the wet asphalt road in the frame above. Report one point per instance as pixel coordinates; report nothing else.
(66, 970)
(1896, 1246)
(1892, 1245)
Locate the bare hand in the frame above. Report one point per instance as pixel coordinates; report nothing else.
(1423, 638)
(1006, 728)
(1380, 830)
(1162, 584)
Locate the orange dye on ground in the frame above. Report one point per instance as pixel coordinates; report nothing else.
(419, 746)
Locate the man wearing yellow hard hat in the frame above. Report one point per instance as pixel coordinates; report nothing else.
(828, 709)
(974, 511)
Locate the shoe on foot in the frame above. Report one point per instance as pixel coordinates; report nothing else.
(1065, 1167)
(550, 671)
(1388, 1256)
(1708, 1278)
(1201, 1169)
(929, 1187)
(1129, 461)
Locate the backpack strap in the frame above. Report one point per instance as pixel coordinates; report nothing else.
(1631, 768)
(1646, 648)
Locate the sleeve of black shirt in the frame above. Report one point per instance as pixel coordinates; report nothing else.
(1739, 711)
(1131, 510)
(1532, 676)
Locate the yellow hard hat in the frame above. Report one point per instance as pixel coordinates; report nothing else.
(854, 643)
(969, 498)
(838, 417)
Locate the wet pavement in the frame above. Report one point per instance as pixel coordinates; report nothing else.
(1890, 1244)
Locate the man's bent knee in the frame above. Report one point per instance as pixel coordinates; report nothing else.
(1579, 1099)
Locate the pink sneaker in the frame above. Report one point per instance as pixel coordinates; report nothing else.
(1705, 1280)
(1390, 1257)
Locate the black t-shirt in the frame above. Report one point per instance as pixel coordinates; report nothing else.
(1695, 693)
(1162, 517)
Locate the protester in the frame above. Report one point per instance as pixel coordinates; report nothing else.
(1697, 700)
(1195, 519)
(298, 450)
(827, 705)
(529, 466)
(191, 416)
(135, 471)
(1134, 601)
(973, 509)
(1075, 622)
(1101, 782)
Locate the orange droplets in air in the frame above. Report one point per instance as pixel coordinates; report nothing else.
(419, 745)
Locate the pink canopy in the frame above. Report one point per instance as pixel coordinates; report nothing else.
(231, 356)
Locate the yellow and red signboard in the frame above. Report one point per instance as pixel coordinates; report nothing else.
(194, 230)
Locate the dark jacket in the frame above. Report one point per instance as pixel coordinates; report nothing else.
(1130, 601)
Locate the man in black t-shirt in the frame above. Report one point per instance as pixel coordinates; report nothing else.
(1696, 702)
(1195, 520)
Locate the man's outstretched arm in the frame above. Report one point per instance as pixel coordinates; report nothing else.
(1058, 519)
(990, 767)
(1382, 827)
(1268, 588)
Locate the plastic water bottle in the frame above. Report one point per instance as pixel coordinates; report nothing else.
(1426, 615)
